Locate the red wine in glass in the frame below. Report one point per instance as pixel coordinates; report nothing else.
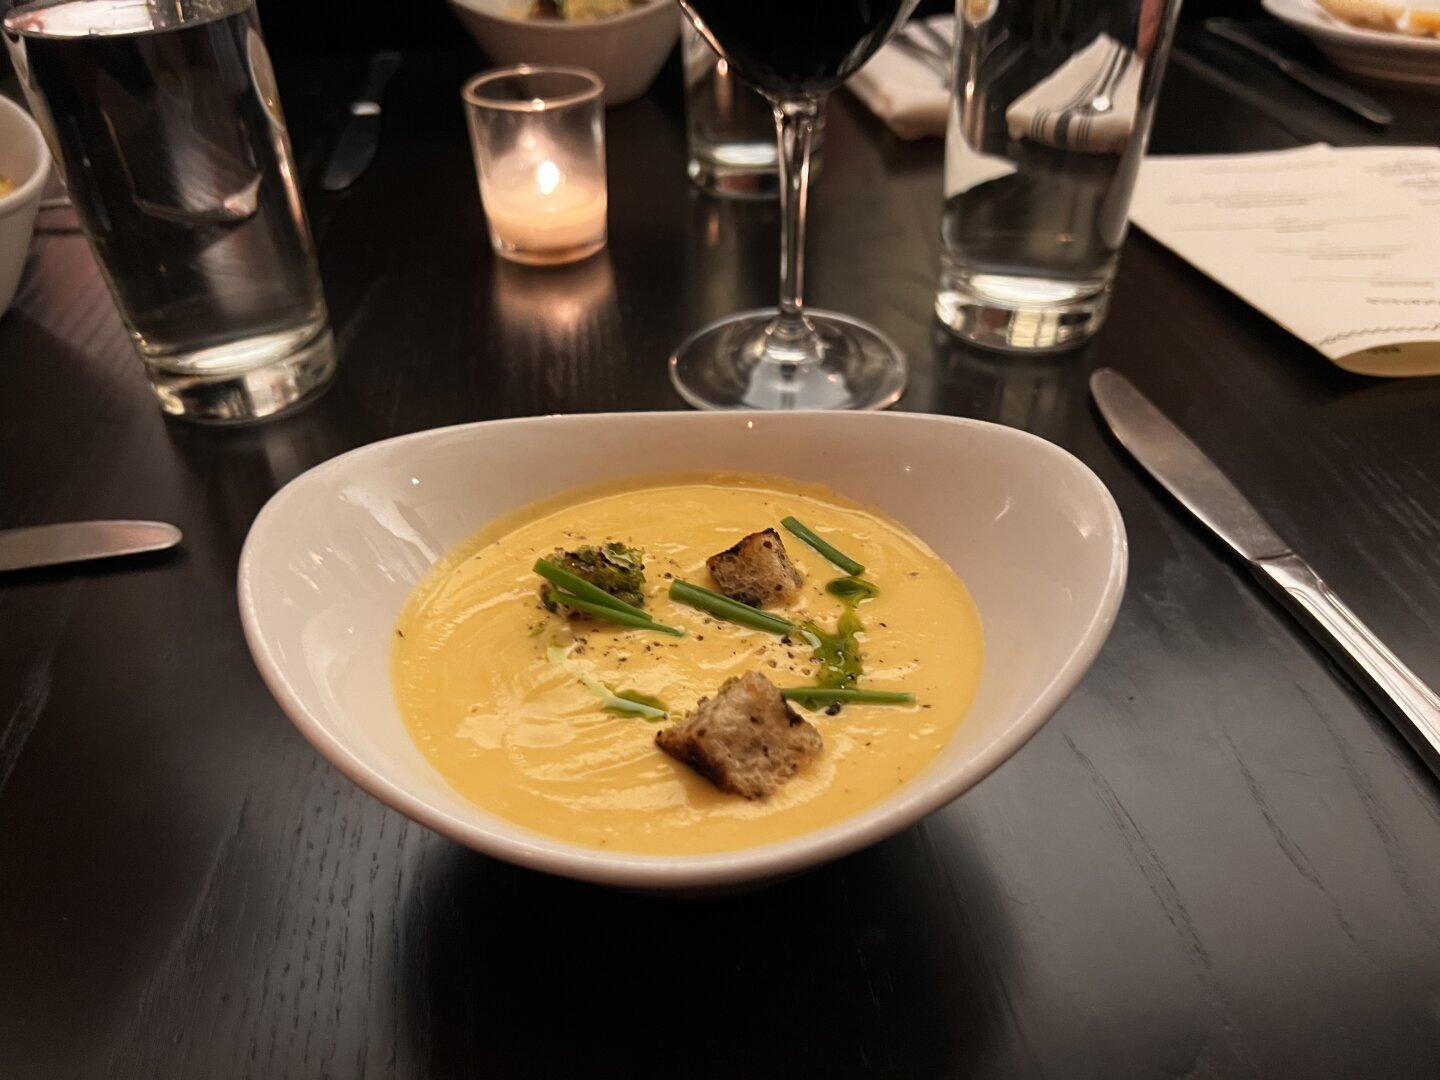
(791, 357)
(798, 46)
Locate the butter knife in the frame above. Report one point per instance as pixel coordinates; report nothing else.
(360, 137)
(1184, 470)
(80, 541)
(1362, 105)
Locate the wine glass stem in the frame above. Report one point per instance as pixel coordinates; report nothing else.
(795, 126)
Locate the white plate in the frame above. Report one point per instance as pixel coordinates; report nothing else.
(1376, 54)
(332, 558)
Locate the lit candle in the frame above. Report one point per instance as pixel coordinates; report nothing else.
(540, 213)
(539, 141)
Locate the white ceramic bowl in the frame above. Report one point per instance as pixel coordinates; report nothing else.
(25, 161)
(332, 558)
(625, 50)
(1391, 57)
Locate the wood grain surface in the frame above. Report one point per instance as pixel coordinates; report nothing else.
(1218, 860)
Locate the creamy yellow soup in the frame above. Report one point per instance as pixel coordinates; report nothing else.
(506, 700)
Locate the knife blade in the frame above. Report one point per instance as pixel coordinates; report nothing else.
(360, 137)
(1185, 471)
(80, 541)
(1362, 105)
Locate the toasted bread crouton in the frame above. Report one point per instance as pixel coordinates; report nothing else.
(756, 571)
(745, 740)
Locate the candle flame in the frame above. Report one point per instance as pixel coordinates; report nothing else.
(547, 176)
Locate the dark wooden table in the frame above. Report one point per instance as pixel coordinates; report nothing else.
(1218, 860)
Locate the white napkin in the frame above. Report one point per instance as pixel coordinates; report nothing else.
(1069, 109)
(909, 96)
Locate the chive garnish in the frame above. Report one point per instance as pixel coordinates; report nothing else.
(615, 615)
(633, 703)
(729, 610)
(620, 705)
(825, 695)
(577, 586)
(834, 554)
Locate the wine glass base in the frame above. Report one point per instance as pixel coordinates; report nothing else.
(737, 363)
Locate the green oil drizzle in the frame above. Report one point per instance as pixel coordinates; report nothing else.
(838, 654)
(852, 590)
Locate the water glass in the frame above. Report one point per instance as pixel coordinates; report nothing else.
(1050, 112)
(538, 135)
(730, 127)
(166, 124)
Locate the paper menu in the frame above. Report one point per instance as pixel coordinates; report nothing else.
(1341, 246)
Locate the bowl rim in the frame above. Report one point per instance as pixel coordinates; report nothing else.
(31, 187)
(519, 845)
(566, 26)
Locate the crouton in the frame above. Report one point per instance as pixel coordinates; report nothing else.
(756, 571)
(745, 740)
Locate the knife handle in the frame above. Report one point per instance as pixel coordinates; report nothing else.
(383, 66)
(1411, 705)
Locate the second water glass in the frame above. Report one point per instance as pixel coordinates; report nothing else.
(1049, 117)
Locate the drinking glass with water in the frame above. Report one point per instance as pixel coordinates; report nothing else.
(730, 127)
(1050, 112)
(166, 124)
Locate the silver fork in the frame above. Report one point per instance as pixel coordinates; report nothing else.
(924, 55)
(1104, 98)
(923, 42)
(933, 37)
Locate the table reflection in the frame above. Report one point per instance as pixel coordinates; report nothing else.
(1044, 395)
(561, 334)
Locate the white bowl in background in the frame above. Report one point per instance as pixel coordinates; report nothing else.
(25, 161)
(1383, 55)
(625, 50)
(332, 558)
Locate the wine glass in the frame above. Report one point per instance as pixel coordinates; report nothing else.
(791, 357)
